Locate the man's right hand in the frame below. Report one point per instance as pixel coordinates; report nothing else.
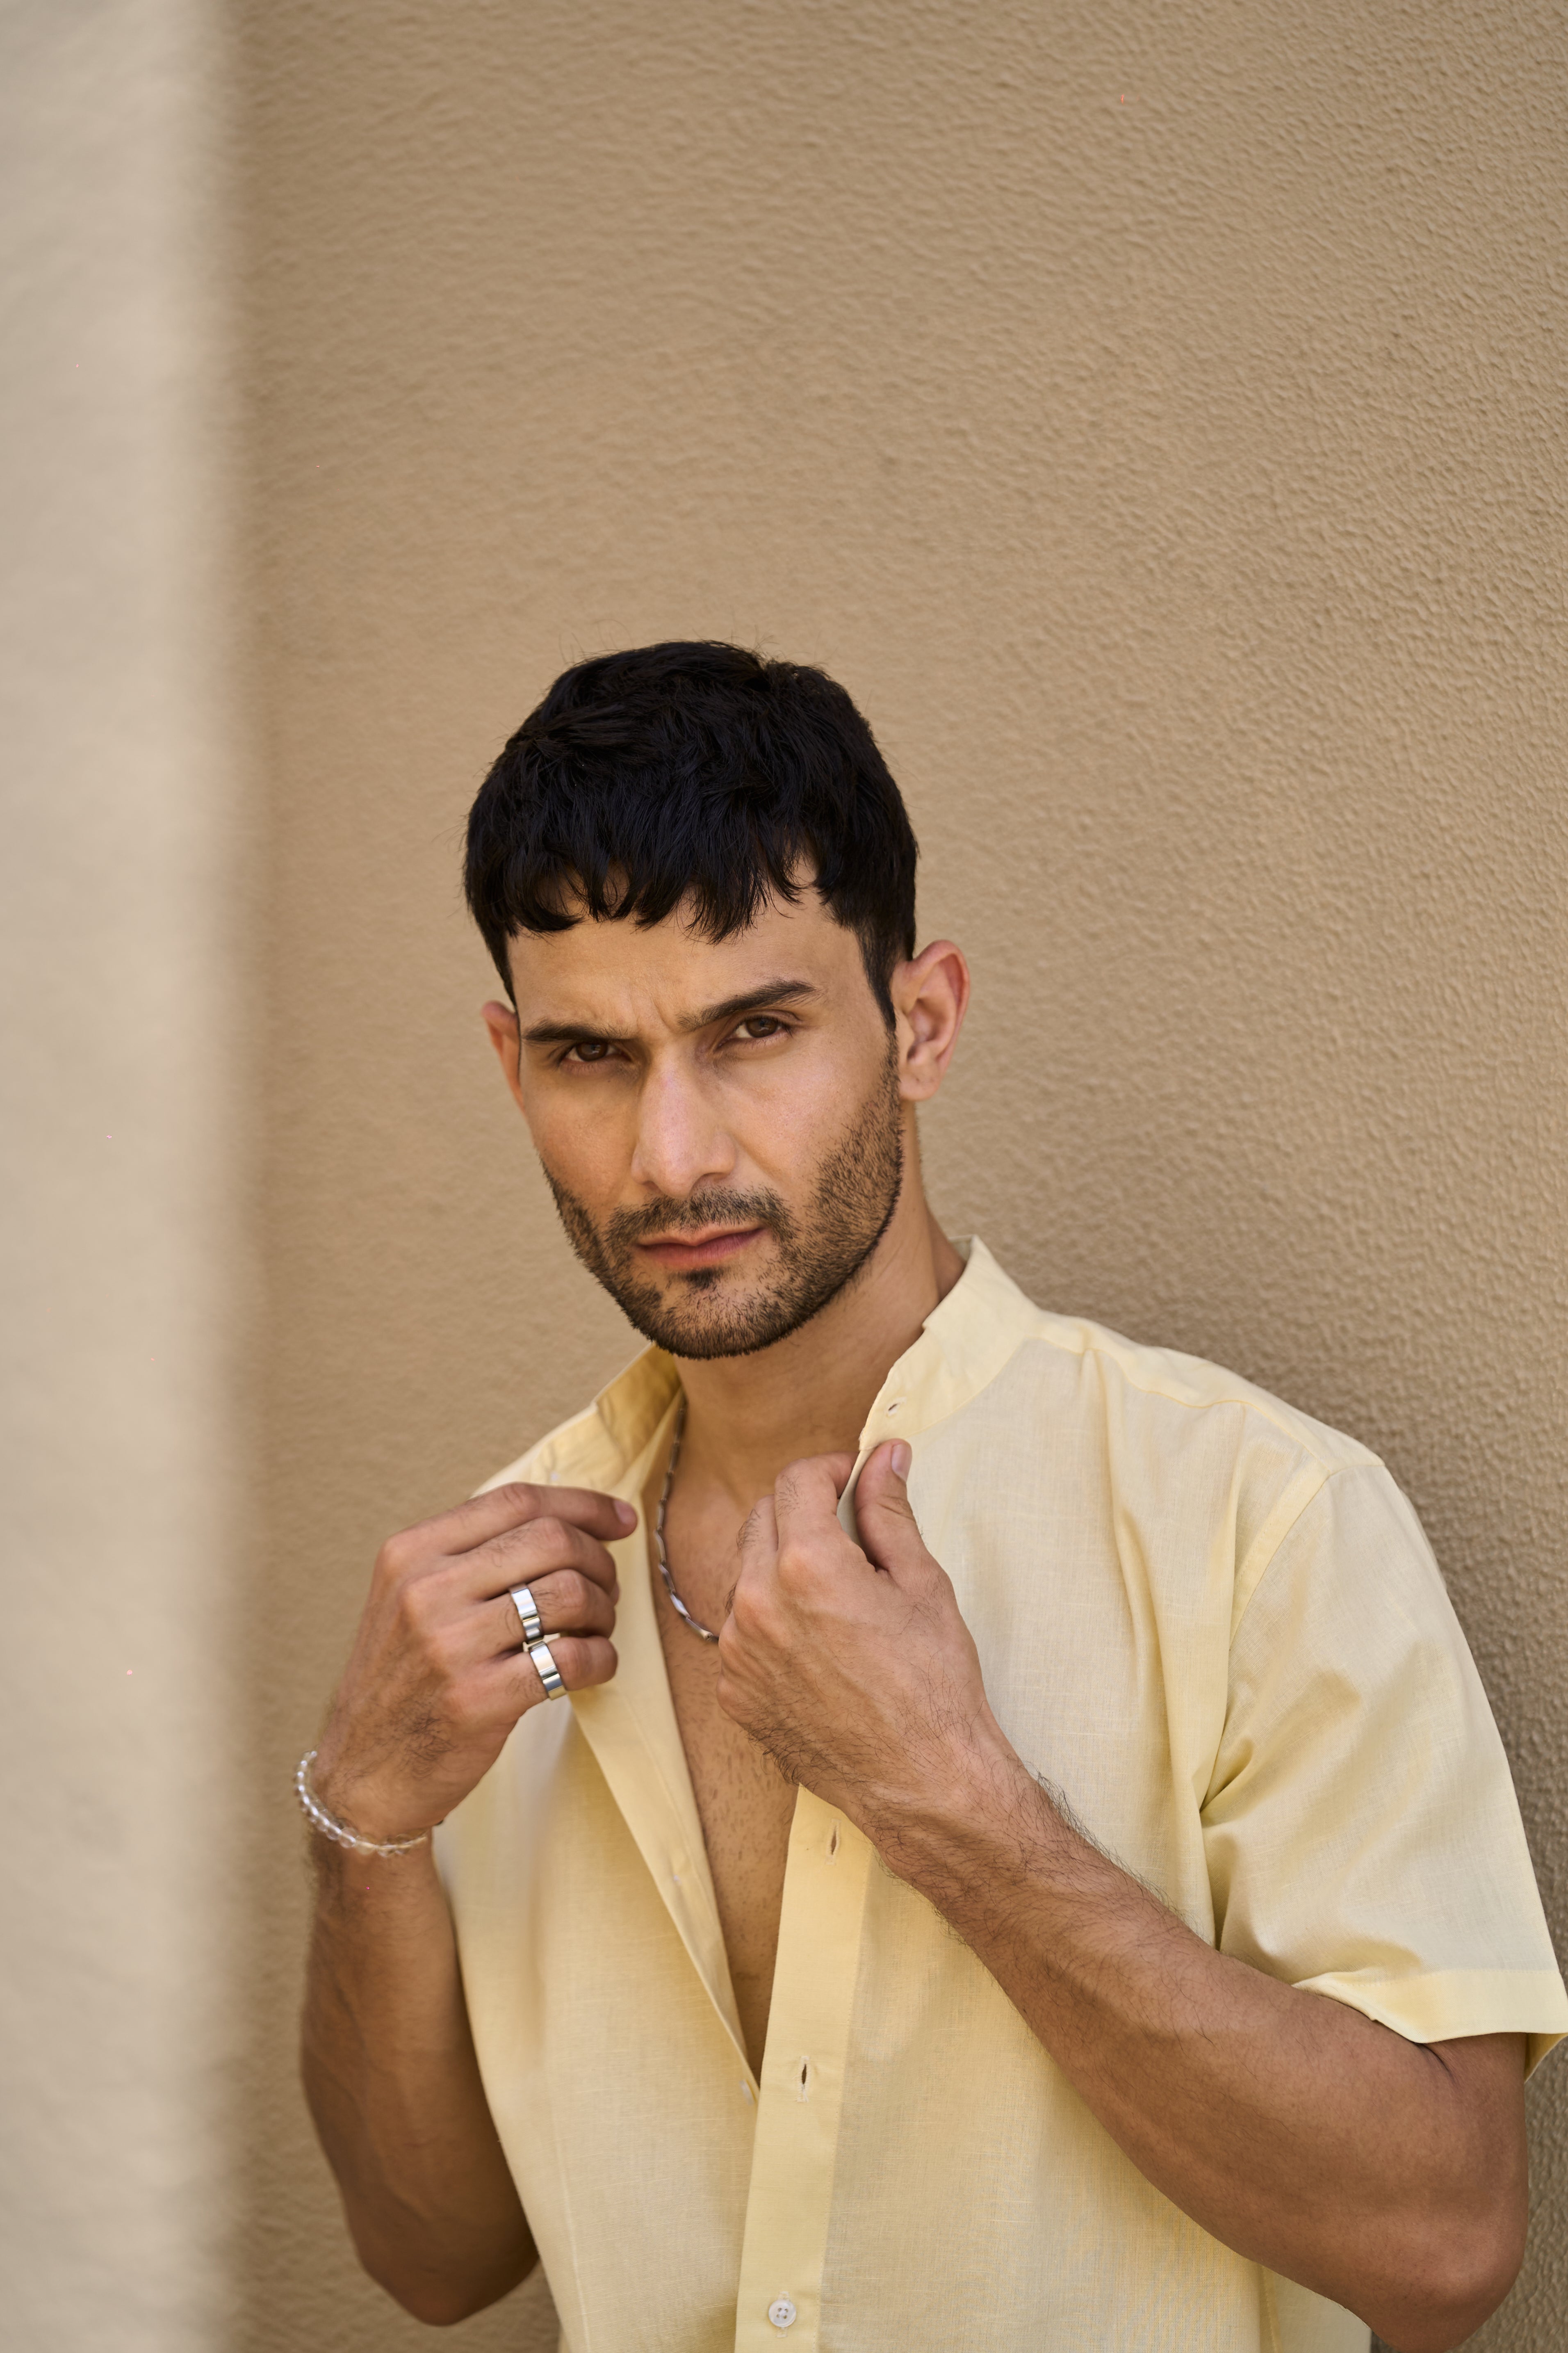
(438, 1674)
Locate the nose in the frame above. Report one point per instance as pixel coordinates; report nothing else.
(682, 1144)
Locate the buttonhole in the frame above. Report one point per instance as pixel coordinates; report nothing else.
(833, 1845)
(805, 2076)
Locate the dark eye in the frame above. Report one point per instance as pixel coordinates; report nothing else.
(588, 1050)
(759, 1026)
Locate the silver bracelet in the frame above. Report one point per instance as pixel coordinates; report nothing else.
(340, 1833)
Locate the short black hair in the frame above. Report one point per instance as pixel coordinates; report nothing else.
(692, 771)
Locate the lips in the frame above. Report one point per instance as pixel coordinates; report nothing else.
(684, 1254)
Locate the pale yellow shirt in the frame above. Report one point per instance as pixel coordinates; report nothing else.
(1218, 1627)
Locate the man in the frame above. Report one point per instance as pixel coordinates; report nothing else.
(1034, 1867)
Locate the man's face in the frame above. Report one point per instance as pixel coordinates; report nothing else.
(720, 1123)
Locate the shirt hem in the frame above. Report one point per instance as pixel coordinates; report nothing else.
(1444, 2005)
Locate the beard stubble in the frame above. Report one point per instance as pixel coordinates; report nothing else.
(819, 1252)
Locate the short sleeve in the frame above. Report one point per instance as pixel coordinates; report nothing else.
(1363, 1835)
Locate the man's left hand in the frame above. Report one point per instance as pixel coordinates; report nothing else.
(849, 1662)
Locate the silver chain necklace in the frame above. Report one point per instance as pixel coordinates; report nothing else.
(705, 1633)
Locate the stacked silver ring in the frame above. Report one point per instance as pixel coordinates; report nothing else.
(539, 1650)
(549, 1672)
(527, 1608)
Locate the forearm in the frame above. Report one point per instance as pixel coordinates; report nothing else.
(393, 2087)
(1299, 2133)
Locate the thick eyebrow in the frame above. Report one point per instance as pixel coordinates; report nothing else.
(729, 1008)
(735, 1008)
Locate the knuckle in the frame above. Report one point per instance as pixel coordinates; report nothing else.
(750, 1612)
(445, 1648)
(558, 1598)
(798, 1562)
(408, 1610)
(397, 1557)
(420, 1610)
(519, 1495)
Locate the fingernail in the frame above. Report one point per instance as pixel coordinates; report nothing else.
(627, 1517)
(902, 1458)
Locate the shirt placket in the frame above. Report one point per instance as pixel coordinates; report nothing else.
(800, 2108)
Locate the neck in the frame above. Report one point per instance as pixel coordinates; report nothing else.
(747, 1417)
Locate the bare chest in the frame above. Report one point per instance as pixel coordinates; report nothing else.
(744, 1801)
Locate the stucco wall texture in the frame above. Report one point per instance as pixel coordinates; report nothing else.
(124, 1269)
(1147, 414)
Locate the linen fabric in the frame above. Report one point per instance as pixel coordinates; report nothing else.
(1216, 1627)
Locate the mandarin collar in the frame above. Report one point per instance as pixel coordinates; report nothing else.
(963, 1345)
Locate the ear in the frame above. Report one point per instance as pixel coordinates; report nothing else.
(506, 1039)
(930, 995)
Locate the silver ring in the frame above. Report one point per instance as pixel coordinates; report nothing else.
(549, 1672)
(527, 1608)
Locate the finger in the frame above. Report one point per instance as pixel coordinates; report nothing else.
(520, 1555)
(567, 1603)
(759, 1539)
(580, 1662)
(499, 1509)
(888, 1533)
(805, 1494)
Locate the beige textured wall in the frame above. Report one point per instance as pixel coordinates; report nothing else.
(1147, 414)
(124, 1284)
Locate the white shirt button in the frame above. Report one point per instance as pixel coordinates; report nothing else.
(782, 2313)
